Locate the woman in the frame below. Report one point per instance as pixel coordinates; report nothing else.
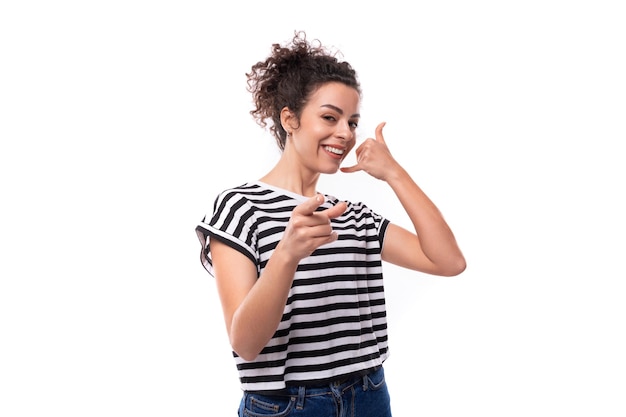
(299, 273)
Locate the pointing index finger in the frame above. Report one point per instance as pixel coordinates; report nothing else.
(309, 206)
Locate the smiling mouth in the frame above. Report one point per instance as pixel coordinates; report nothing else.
(335, 151)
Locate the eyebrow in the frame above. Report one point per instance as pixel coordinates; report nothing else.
(338, 110)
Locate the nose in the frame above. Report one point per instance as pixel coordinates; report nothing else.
(343, 131)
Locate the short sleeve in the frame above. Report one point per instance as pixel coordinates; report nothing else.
(363, 213)
(233, 223)
(381, 226)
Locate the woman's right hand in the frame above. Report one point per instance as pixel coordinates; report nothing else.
(309, 229)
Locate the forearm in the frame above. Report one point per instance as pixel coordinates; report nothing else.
(257, 318)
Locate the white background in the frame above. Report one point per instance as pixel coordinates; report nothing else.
(121, 120)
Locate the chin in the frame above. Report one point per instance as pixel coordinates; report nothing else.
(329, 171)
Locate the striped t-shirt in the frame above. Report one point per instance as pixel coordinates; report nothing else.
(334, 322)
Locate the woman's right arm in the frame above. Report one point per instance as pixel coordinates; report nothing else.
(253, 307)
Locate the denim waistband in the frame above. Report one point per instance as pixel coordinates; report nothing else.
(318, 387)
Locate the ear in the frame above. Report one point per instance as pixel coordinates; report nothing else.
(288, 120)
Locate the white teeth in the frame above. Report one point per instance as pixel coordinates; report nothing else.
(334, 150)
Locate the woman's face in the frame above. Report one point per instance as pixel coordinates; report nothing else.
(326, 130)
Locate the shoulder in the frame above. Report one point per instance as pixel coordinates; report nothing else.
(253, 199)
(240, 195)
(249, 190)
(355, 207)
(360, 213)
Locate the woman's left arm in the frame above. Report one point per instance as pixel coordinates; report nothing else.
(432, 248)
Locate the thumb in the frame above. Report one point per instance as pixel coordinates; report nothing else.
(336, 210)
(379, 132)
(308, 207)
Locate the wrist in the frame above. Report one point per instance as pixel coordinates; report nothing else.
(395, 173)
(284, 259)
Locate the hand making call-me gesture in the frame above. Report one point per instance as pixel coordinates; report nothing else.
(373, 156)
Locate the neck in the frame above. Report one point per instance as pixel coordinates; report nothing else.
(292, 176)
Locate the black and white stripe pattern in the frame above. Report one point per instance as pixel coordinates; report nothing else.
(334, 322)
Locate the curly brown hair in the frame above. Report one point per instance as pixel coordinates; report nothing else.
(289, 76)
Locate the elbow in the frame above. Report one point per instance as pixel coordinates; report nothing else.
(451, 267)
(455, 268)
(246, 353)
(247, 356)
(242, 347)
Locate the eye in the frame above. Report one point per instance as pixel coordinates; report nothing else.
(354, 124)
(329, 118)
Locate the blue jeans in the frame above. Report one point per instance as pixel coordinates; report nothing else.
(363, 396)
